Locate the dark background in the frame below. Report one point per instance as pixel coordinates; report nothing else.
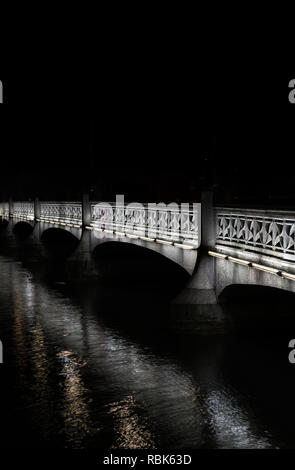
(154, 125)
(159, 122)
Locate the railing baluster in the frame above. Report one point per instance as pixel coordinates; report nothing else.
(266, 232)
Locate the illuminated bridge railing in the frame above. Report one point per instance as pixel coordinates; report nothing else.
(23, 210)
(171, 223)
(4, 209)
(179, 223)
(263, 231)
(61, 212)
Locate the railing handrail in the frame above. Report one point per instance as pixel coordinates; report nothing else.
(242, 210)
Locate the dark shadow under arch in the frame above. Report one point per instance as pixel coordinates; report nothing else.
(3, 224)
(59, 243)
(259, 308)
(129, 264)
(22, 230)
(250, 293)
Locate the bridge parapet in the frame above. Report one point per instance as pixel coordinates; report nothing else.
(171, 222)
(61, 212)
(168, 223)
(23, 210)
(262, 231)
(4, 209)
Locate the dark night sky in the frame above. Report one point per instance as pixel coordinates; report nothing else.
(157, 128)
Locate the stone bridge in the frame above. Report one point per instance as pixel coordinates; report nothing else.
(217, 246)
(172, 230)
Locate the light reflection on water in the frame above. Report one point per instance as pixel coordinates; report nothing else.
(77, 421)
(83, 383)
(131, 430)
(230, 423)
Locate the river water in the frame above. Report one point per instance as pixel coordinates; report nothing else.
(88, 367)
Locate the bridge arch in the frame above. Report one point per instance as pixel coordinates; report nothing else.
(258, 308)
(59, 243)
(128, 262)
(185, 258)
(3, 223)
(229, 273)
(22, 229)
(249, 293)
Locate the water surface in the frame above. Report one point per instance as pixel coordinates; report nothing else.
(91, 368)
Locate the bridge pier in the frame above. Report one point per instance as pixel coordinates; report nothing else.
(11, 223)
(197, 305)
(81, 265)
(37, 209)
